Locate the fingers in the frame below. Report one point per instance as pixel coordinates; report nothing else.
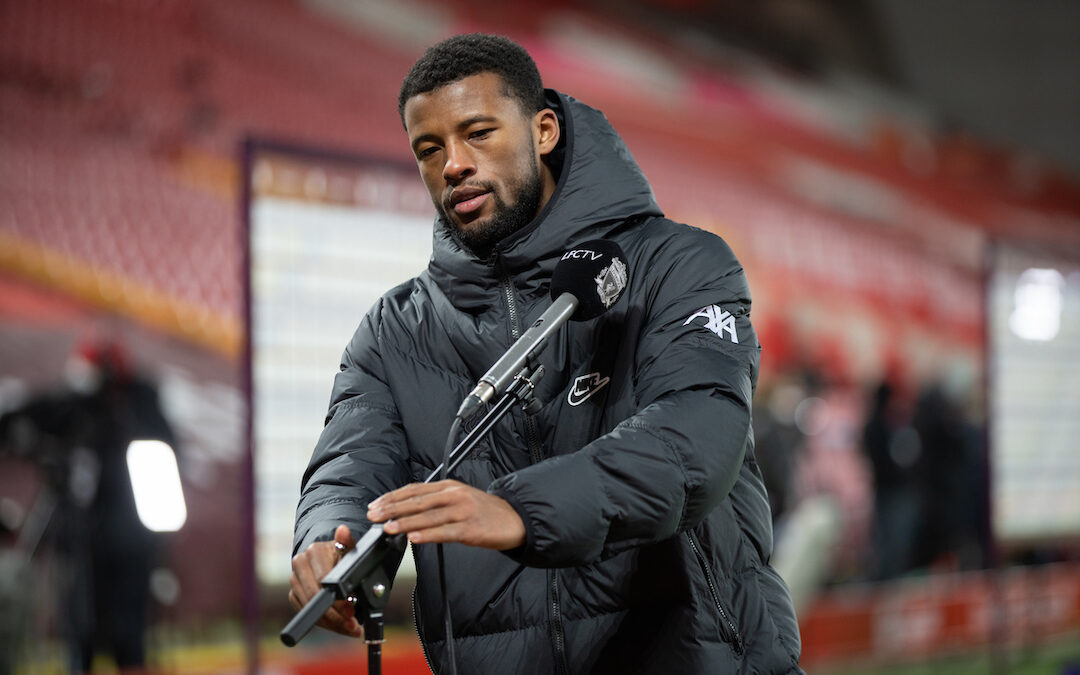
(308, 569)
(343, 536)
(418, 526)
(449, 511)
(305, 579)
(444, 533)
(412, 499)
(340, 618)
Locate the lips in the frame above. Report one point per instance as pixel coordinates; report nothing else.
(465, 200)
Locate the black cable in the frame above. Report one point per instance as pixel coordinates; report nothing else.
(448, 627)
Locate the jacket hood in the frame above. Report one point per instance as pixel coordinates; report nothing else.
(598, 186)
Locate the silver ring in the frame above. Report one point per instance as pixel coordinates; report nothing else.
(339, 547)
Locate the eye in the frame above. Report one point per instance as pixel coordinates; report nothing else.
(427, 151)
(480, 134)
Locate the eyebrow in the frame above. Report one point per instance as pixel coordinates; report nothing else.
(464, 124)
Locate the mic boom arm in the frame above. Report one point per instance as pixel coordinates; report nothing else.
(358, 570)
(520, 355)
(359, 574)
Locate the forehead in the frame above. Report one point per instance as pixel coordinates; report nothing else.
(480, 95)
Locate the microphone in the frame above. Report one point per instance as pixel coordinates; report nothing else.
(586, 282)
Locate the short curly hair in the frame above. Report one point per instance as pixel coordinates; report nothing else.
(470, 54)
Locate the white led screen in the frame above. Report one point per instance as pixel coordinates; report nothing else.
(1035, 396)
(326, 238)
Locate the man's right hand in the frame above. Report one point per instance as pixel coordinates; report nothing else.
(308, 569)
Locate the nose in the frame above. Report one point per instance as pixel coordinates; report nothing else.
(459, 163)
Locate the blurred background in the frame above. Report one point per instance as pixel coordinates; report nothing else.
(200, 199)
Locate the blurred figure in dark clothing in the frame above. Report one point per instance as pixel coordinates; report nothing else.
(893, 449)
(952, 479)
(14, 588)
(778, 442)
(79, 438)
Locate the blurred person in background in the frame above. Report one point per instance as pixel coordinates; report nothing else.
(808, 510)
(15, 588)
(831, 484)
(626, 529)
(79, 436)
(778, 443)
(892, 448)
(952, 481)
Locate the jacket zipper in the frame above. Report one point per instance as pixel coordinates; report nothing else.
(515, 332)
(557, 634)
(530, 438)
(416, 627)
(556, 624)
(731, 634)
(511, 307)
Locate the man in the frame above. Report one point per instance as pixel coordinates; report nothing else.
(624, 527)
(79, 436)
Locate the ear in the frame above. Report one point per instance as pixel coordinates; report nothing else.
(546, 128)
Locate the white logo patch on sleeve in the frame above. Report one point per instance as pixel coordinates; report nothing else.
(717, 320)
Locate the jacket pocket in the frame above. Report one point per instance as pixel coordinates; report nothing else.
(728, 630)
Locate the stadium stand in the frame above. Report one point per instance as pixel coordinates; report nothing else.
(122, 124)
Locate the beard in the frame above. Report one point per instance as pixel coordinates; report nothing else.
(481, 237)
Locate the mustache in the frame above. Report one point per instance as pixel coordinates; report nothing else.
(479, 185)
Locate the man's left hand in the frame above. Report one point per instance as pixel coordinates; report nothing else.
(449, 511)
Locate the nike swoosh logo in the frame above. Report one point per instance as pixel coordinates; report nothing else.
(584, 387)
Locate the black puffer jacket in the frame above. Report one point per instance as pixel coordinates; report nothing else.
(648, 528)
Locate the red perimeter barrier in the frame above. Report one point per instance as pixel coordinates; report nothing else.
(912, 619)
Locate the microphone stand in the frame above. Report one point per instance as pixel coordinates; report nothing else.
(359, 576)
